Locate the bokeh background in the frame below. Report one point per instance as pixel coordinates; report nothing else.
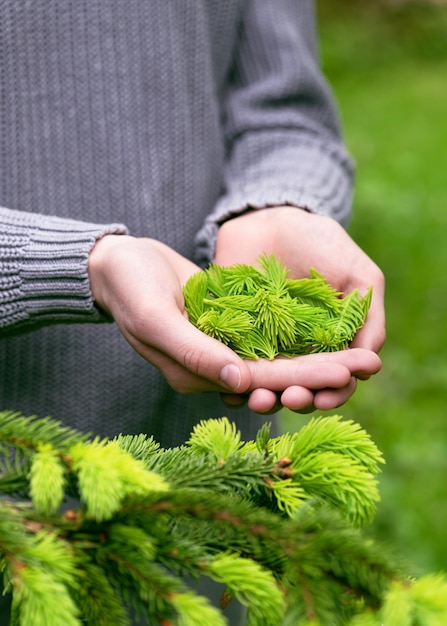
(387, 63)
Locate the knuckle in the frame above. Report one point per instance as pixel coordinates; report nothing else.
(196, 361)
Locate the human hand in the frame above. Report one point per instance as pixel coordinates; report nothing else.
(139, 283)
(303, 240)
(321, 381)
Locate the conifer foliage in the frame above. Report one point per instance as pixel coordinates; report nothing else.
(260, 312)
(90, 528)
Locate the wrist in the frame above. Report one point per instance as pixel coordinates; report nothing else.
(99, 260)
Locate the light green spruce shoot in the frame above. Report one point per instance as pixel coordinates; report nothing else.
(259, 311)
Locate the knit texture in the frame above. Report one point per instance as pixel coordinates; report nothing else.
(160, 119)
(44, 271)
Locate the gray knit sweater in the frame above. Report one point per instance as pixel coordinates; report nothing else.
(159, 118)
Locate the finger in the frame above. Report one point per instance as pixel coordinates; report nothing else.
(306, 409)
(314, 371)
(233, 400)
(361, 362)
(297, 398)
(263, 401)
(177, 376)
(177, 347)
(280, 373)
(371, 336)
(373, 333)
(328, 399)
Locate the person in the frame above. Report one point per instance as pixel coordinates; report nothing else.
(139, 142)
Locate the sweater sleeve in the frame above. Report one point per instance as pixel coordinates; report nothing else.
(280, 121)
(44, 271)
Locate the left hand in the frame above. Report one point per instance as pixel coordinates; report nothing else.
(303, 240)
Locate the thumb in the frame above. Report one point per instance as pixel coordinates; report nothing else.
(192, 361)
(208, 358)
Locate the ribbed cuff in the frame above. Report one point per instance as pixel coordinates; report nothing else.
(206, 238)
(277, 169)
(45, 277)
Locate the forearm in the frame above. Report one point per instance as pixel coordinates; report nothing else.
(284, 145)
(308, 173)
(43, 275)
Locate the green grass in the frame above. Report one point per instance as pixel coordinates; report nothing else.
(388, 68)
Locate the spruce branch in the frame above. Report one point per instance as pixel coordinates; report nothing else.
(276, 520)
(47, 479)
(106, 474)
(220, 437)
(28, 432)
(252, 585)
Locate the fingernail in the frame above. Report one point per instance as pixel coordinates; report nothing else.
(230, 376)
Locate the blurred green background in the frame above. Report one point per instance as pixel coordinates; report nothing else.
(387, 63)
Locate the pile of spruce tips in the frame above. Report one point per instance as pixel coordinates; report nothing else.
(260, 312)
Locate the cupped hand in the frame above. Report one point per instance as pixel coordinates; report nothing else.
(303, 240)
(321, 381)
(139, 282)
